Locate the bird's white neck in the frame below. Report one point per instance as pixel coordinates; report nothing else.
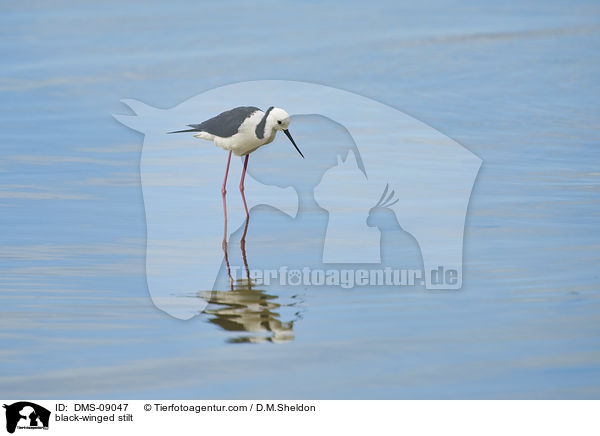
(269, 134)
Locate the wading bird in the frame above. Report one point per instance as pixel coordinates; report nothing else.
(241, 131)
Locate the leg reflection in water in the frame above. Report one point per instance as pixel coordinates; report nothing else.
(244, 308)
(244, 257)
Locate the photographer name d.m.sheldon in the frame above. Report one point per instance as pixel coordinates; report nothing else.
(282, 407)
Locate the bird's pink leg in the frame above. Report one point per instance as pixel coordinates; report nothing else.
(223, 192)
(242, 185)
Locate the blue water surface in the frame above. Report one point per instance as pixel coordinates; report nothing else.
(515, 82)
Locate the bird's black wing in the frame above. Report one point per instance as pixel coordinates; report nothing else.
(225, 124)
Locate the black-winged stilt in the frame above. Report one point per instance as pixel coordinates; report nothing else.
(241, 131)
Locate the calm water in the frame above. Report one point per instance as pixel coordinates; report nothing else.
(516, 83)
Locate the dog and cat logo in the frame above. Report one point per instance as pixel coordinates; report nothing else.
(358, 150)
(26, 415)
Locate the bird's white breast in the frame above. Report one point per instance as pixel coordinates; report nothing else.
(245, 141)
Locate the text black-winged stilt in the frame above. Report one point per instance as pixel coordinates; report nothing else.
(241, 131)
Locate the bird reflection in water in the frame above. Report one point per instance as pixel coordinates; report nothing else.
(244, 308)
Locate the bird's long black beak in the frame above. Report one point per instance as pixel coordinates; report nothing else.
(289, 135)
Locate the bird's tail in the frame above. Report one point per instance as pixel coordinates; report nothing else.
(184, 131)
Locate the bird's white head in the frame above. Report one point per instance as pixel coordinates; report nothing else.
(279, 118)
